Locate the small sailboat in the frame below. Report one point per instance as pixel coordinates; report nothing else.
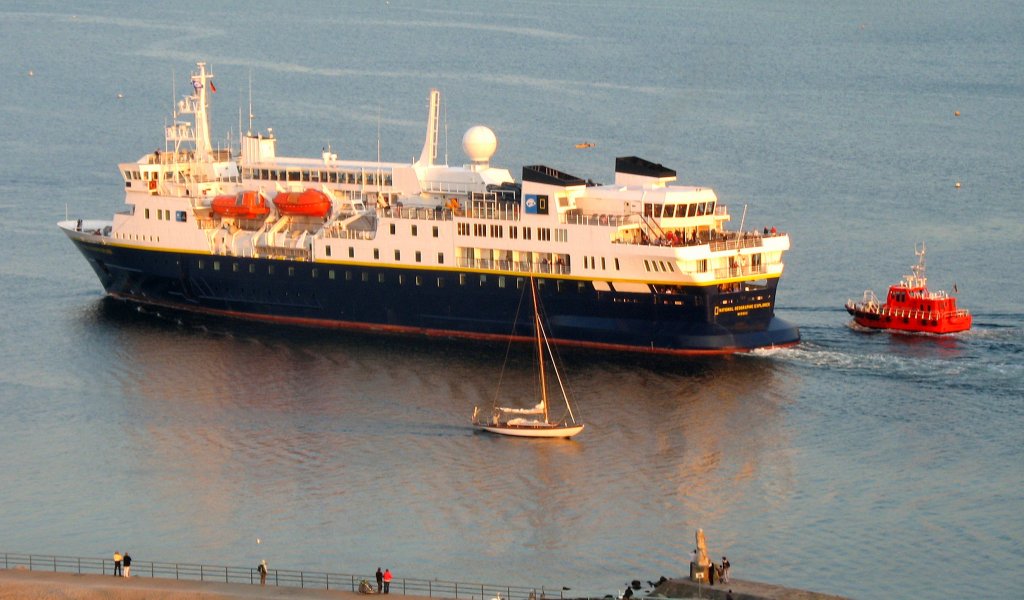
(533, 422)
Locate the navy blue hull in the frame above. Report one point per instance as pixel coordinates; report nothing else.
(440, 302)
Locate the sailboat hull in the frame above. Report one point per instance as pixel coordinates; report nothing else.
(534, 431)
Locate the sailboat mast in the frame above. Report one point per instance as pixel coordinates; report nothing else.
(540, 350)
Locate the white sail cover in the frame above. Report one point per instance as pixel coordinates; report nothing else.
(536, 410)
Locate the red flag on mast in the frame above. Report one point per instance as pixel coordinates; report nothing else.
(213, 88)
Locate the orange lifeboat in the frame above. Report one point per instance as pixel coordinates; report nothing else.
(307, 203)
(243, 205)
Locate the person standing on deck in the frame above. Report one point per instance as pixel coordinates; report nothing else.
(380, 580)
(387, 581)
(127, 564)
(117, 563)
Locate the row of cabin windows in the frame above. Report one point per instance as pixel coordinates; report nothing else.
(665, 266)
(589, 262)
(481, 280)
(376, 254)
(165, 215)
(498, 231)
(147, 176)
(318, 175)
(415, 230)
(668, 211)
(137, 237)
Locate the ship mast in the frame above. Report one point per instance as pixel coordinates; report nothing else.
(918, 269)
(198, 132)
(540, 350)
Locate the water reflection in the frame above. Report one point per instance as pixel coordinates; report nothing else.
(336, 435)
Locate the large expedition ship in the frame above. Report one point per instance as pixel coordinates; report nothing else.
(424, 248)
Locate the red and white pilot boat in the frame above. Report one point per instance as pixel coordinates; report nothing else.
(911, 307)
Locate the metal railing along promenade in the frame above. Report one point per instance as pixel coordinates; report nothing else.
(278, 577)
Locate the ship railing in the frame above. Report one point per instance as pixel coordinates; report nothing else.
(170, 157)
(513, 266)
(651, 234)
(505, 212)
(735, 240)
(349, 234)
(499, 212)
(441, 187)
(281, 252)
(924, 315)
(573, 217)
(290, 578)
(424, 213)
(739, 271)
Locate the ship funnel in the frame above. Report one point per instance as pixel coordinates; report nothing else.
(430, 144)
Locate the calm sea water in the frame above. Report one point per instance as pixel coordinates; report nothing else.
(862, 464)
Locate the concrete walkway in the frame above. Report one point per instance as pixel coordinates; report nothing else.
(23, 584)
(741, 590)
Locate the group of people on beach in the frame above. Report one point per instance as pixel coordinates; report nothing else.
(120, 559)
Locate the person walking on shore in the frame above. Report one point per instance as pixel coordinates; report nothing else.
(725, 570)
(380, 580)
(127, 564)
(263, 572)
(387, 581)
(117, 563)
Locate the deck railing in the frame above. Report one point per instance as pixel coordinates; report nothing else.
(277, 577)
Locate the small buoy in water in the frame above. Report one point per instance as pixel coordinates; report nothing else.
(957, 185)
(31, 73)
(258, 541)
(956, 113)
(120, 95)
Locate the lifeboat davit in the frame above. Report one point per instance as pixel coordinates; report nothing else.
(307, 203)
(243, 205)
(910, 306)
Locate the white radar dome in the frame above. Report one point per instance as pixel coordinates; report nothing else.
(480, 144)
